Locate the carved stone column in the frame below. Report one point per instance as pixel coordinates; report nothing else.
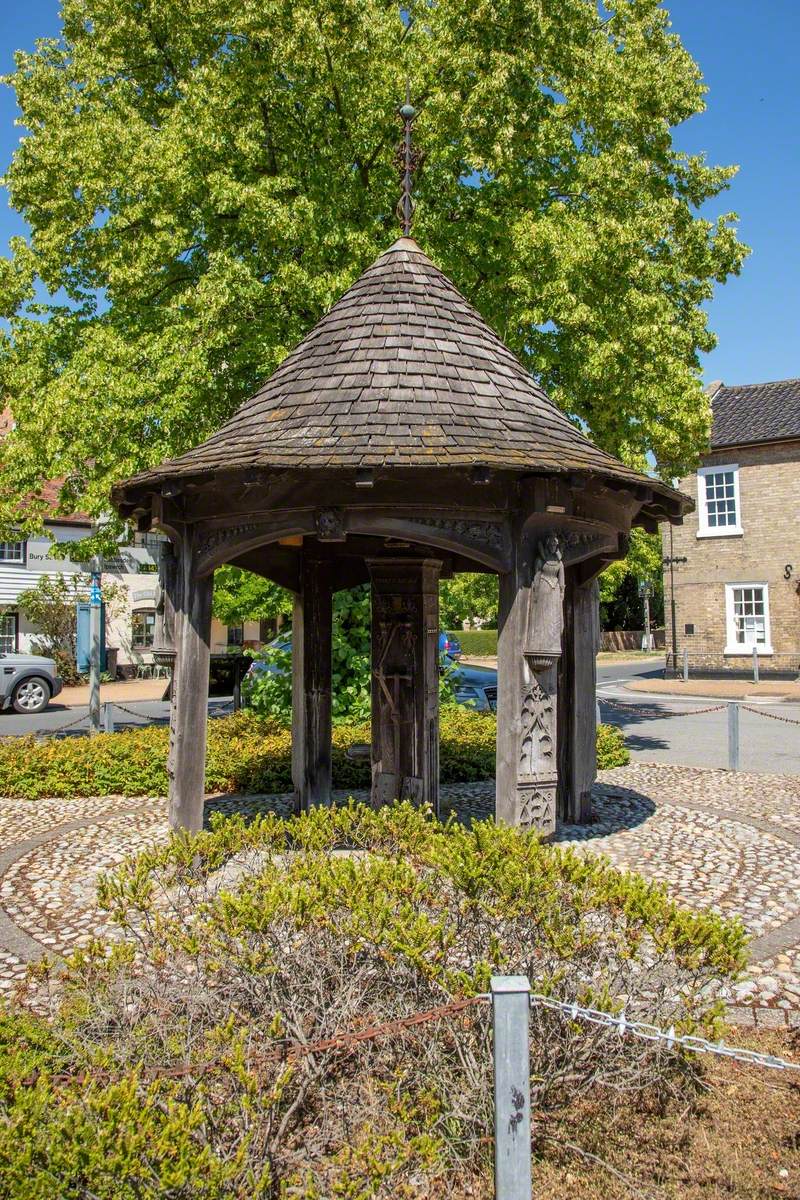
(311, 686)
(405, 680)
(529, 648)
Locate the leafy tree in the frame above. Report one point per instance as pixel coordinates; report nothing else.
(50, 606)
(620, 602)
(243, 596)
(466, 596)
(203, 179)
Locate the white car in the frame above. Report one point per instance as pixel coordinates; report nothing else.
(28, 682)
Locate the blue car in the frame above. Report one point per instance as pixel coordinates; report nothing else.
(475, 687)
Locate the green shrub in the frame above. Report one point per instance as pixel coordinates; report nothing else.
(611, 748)
(246, 753)
(166, 1069)
(477, 643)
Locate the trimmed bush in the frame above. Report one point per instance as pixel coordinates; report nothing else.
(175, 1064)
(477, 643)
(245, 754)
(611, 748)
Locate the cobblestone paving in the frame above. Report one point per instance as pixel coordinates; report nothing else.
(717, 840)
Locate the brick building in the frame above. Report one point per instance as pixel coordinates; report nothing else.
(739, 587)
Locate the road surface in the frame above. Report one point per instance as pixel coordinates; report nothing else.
(655, 728)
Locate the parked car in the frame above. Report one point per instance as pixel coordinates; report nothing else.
(449, 645)
(473, 686)
(28, 682)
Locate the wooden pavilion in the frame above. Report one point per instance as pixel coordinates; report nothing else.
(402, 441)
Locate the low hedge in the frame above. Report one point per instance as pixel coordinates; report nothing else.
(246, 753)
(165, 1068)
(478, 643)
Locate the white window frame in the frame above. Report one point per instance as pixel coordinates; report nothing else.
(14, 562)
(746, 648)
(704, 529)
(144, 613)
(13, 636)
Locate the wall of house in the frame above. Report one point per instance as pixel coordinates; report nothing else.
(767, 550)
(133, 570)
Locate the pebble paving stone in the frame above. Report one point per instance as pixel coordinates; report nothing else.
(719, 840)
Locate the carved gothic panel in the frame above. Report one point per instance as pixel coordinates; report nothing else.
(537, 728)
(537, 806)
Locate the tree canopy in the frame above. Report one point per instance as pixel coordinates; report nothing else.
(202, 180)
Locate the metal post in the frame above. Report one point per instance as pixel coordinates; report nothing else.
(512, 1087)
(95, 613)
(685, 665)
(755, 664)
(647, 645)
(108, 717)
(733, 737)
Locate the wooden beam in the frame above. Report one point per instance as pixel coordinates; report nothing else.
(405, 680)
(191, 605)
(311, 685)
(577, 701)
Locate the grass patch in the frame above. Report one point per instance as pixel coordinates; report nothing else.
(478, 643)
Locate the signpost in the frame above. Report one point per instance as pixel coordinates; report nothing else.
(95, 611)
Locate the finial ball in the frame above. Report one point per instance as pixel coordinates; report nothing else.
(407, 112)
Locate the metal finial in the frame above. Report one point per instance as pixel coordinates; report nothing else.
(408, 161)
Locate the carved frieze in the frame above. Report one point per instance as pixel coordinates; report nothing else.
(226, 535)
(482, 533)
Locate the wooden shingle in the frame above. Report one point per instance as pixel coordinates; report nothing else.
(402, 372)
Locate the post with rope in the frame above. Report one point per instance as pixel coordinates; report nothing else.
(512, 1087)
(733, 737)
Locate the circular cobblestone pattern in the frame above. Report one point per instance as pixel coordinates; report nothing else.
(729, 842)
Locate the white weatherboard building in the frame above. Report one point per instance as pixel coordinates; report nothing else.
(130, 627)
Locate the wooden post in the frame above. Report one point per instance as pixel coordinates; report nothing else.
(312, 626)
(578, 701)
(529, 647)
(405, 680)
(514, 592)
(191, 609)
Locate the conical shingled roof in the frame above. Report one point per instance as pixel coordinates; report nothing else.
(403, 372)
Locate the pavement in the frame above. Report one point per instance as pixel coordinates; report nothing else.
(122, 691)
(691, 731)
(657, 727)
(720, 689)
(729, 843)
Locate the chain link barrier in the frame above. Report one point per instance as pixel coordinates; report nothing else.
(652, 1033)
(632, 706)
(770, 716)
(47, 732)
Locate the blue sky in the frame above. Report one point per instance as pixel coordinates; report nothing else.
(748, 55)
